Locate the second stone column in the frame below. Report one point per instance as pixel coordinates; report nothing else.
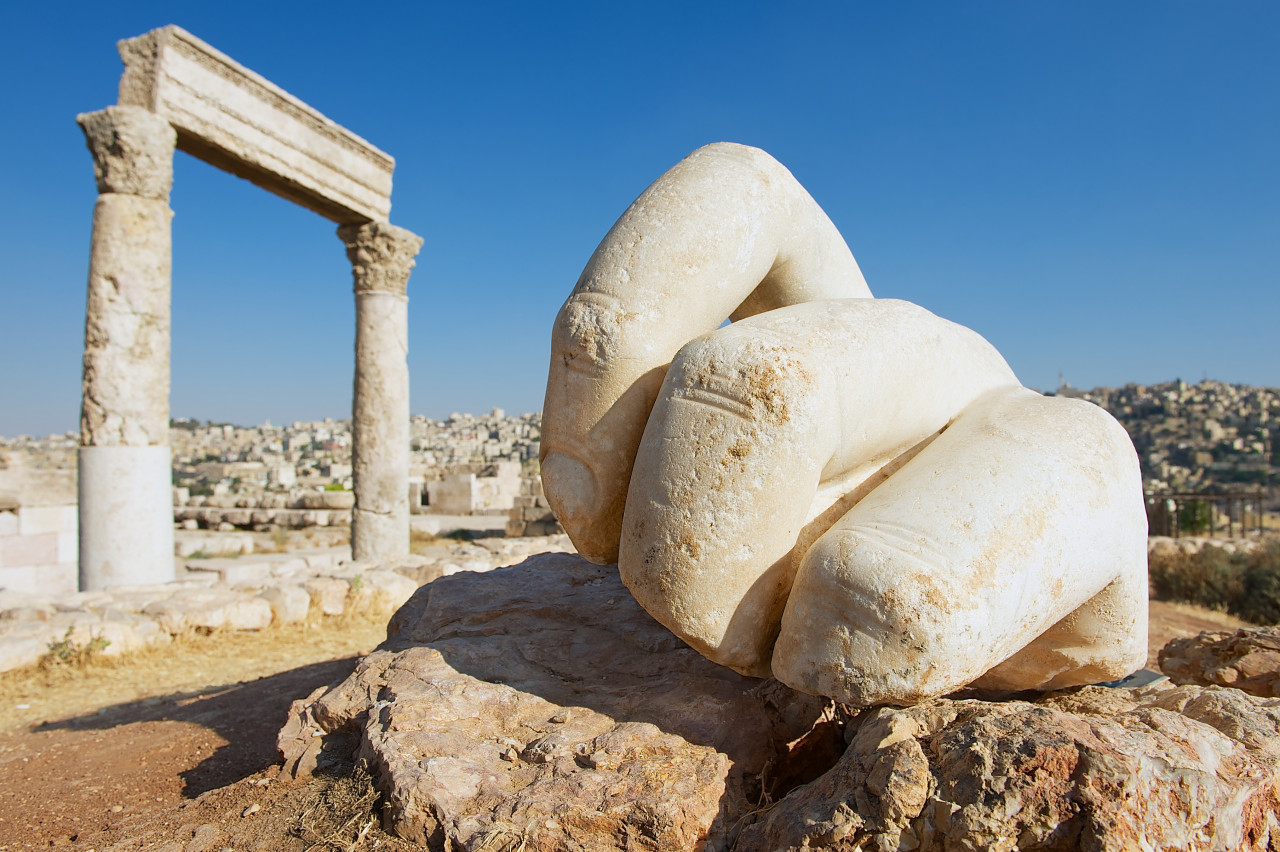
(382, 256)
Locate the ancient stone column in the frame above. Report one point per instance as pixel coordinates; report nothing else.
(125, 473)
(381, 257)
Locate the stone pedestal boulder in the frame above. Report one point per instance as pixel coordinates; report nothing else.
(539, 706)
(1248, 659)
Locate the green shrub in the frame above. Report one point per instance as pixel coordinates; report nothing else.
(1260, 600)
(1244, 584)
(1194, 516)
(1210, 577)
(68, 652)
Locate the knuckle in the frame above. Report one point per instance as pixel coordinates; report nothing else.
(588, 332)
(770, 379)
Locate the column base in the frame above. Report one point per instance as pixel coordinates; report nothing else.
(126, 516)
(375, 536)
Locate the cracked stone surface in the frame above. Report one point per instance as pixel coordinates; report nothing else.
(540, 704)
(1248, 659)
(1162, 768)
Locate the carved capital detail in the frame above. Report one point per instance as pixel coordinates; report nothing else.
(132, 151)
(381, 255)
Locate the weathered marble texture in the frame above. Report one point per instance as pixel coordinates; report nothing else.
(852, 495)
(126, 515)
(126, 359)
(728, 230)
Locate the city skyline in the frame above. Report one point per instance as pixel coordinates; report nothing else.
(1093, 189)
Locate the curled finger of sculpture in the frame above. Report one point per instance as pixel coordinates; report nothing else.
(1019, 515)
(726, 231)
(763, 433)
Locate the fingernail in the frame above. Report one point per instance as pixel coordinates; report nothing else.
(569, 485)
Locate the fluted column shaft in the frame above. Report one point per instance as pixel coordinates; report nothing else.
(382, 255)
(125, 472)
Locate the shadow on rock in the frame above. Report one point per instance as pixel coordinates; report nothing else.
(540, 705)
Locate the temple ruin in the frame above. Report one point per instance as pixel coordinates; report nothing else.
(177, 91)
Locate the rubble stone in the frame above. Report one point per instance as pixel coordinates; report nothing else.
(1160, 768)
(289, 604)
(1248, 659)
(540, 702)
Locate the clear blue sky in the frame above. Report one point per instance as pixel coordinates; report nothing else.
(1093, 186)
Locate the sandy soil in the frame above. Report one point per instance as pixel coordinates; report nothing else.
(174, 750)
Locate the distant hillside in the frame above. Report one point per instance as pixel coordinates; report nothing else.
(1206, 436)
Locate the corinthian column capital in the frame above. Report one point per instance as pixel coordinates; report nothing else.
(381, 255)
(132, 151)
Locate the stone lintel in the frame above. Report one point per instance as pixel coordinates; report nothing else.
(236, 120)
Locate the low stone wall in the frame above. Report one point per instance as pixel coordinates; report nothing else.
(248, 511)
(39, 548)
(219, 518)
(246, 593)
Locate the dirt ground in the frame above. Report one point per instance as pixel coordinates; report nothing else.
(174, 750)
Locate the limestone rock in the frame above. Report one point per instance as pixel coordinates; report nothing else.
(18, 652)
(382, 590)
(539, 704)
(210, 609)
(1248, 659)
(289, 604)
(1161, 768)
(328, 594)
(328, 500)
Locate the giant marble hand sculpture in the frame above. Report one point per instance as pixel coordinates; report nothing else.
(850, 494)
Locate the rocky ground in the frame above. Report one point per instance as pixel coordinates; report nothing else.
(173, 746)
(175, 749)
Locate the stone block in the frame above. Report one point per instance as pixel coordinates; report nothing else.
(18, 652)
(249, 614)
(206, 609)
(49, 580)
(328, 500)
(235, 572)
(68, 548)
(22, 579)
(238, 517)
(384, 590)
(33, 520)
(328, 594)
(289, 604)
(234, 119)
(8, 523)
(122, 632)
(326, 560)
(28, 550)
